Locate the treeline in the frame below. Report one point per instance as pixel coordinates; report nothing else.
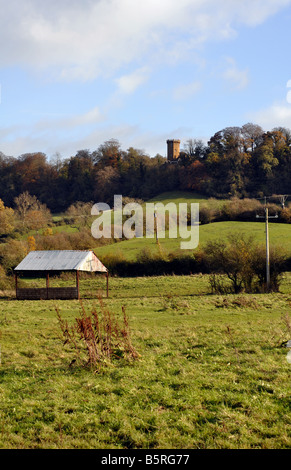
(236, 162)
(237, 264)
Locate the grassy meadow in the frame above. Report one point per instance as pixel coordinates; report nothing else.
(279, 233)
(280, 236)
(212, 371)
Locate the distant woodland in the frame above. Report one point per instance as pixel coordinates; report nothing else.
(236, 162)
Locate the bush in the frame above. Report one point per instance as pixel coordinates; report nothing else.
(241, 209)
(5, 281)
(243, 263)
(112, 260)
(11, 253)
(82, 240)
(286, 215)
(278, 260)
(206, 214)
(98, 337)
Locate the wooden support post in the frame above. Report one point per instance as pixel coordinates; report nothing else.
(16, 279)
(77, 283)
(47, 285)
(107, 283)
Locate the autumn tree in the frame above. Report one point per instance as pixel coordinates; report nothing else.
(193, 149)
(225, 162)
(7, 219)
(30, 172)
(106, 184)
(11, 253)
(264, 162)
(193, 176)
(31, 213)
(79, 214)
(108, 154)
(252, 136)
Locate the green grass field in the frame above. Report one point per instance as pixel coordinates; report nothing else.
(183, 196)
(280, 236)
(212, 372)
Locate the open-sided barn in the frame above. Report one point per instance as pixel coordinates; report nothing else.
(51, 262)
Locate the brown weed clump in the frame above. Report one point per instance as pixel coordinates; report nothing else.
(98, 337)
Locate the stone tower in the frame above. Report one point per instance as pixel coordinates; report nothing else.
(173, 150)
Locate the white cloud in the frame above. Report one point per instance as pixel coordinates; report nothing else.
(238, 79)
(129, 83)
(82, 40)
(276, 115)
(50, 134)
(91, 117)
(183, 92)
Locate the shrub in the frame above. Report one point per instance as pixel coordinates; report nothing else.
(5, 281)
(233, 259)
(112, 260)
(99, 337)
(206, 214)
(277, 267)
(243, 263)
(240, 209)
(58, 241)
(286, 215)
(11, 253)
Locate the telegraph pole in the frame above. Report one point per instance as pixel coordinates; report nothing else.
(283, 199)
(267, 217)
(156, 226)
(267, 249)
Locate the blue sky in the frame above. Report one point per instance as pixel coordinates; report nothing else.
(74, 74)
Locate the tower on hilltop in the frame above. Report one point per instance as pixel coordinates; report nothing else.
(173, 150)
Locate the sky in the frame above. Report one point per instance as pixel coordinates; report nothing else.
(74, 74)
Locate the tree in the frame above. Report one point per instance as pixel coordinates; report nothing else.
(252, 136)
(243, 262)
(108, 154)
(30, 172)
(31, 243)
(234, 260)
(31, 212)
(106, 184)
(194, 149)
(79, 214)
(225, 162)
(6, 219)
(80, 177)
(11, 253)
(264, 162)
(193, 176)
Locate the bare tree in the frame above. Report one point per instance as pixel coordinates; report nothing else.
(29, 208)
(252, 135)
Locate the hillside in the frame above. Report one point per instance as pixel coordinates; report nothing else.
(280, 233)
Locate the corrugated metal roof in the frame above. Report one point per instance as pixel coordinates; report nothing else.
(61, 260)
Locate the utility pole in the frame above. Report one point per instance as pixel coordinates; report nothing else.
(267, 217)
(267, 249)
(283, 199)
(156, 226)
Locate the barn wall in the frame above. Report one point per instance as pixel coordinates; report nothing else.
(50, 293)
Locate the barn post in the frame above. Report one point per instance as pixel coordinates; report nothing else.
(107, 283)
(77, 283)
(47, 285)
(16, 279)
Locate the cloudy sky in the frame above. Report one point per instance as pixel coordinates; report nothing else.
(75, 73)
